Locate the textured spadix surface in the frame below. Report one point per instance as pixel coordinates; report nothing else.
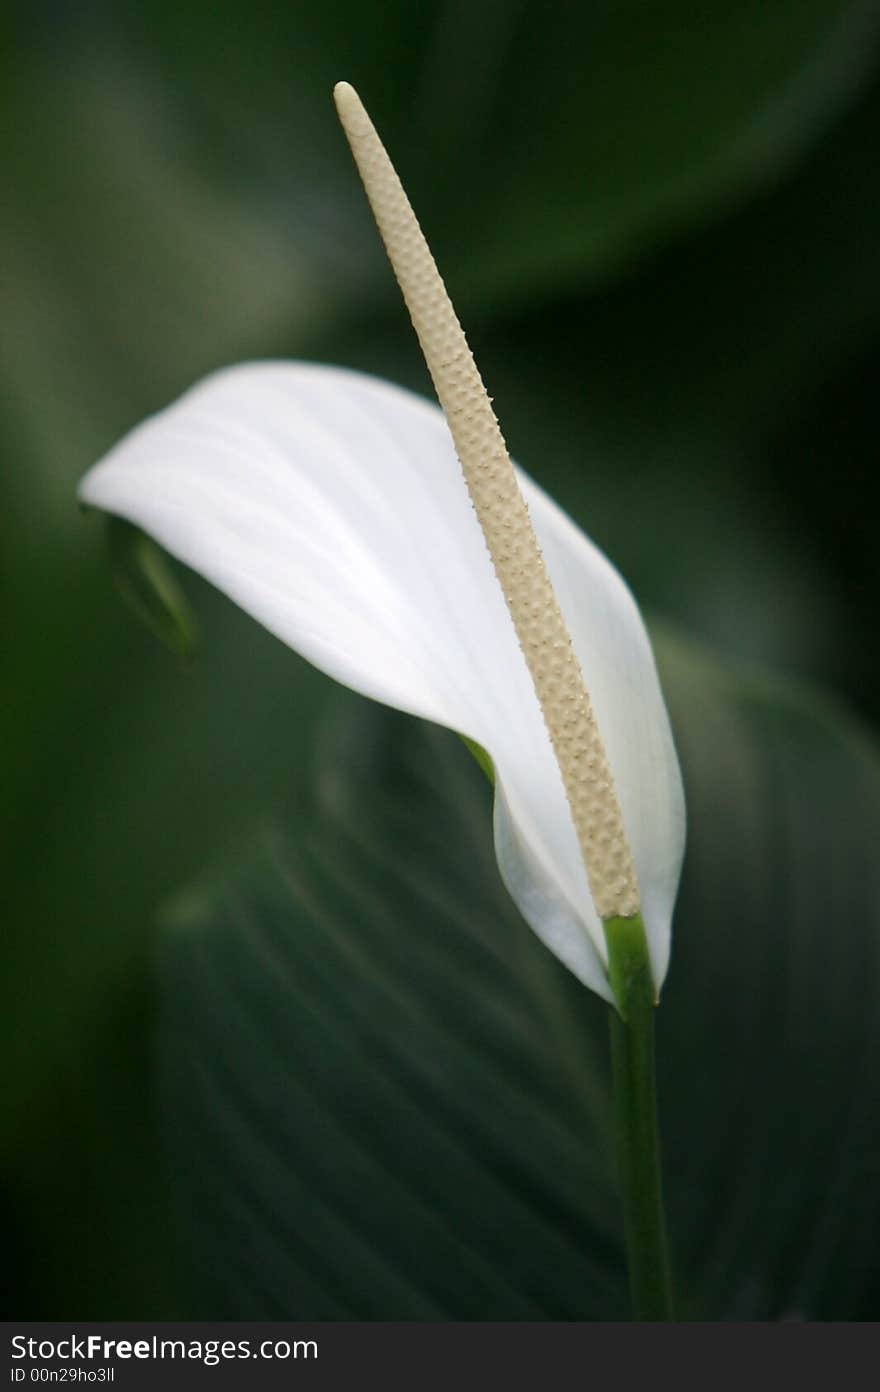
(504, 518)
(331, 507)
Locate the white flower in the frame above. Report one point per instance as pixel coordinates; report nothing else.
(332, 508)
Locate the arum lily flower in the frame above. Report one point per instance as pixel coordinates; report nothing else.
(331, 506)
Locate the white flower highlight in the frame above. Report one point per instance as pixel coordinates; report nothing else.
(332, 508)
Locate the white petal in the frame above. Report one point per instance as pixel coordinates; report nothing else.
(331, 507)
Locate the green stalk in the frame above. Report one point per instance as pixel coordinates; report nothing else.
(638, 1141)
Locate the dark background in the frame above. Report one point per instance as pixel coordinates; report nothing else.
(661, 228)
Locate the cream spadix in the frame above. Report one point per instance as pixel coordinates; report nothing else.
(503, 516)
(331, 507)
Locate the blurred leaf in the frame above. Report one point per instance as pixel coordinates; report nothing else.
(384, 1099)
(122, 772)
(608, 129)
(769, 1029)
(145, 580)
(127, 271)
(345, 1109)
(541, 145)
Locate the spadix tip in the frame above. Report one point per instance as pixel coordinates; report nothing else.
(345, 97)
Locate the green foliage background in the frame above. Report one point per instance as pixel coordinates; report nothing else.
(662, 231)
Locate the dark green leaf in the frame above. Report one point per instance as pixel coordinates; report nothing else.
(769, 1034)
(143, 576)
(541, 145)
(384, 1099)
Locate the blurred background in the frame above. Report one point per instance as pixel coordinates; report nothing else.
(660, 225)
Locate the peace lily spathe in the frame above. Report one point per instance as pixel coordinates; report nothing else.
(331, 507)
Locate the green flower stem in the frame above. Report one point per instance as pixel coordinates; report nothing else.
(638, 1141)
